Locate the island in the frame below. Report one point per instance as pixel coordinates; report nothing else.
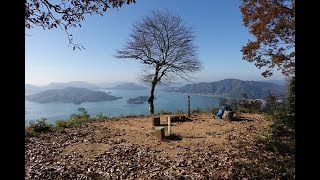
(138, 100)
(70, 95)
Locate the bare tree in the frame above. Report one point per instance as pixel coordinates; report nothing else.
(65, 13)
(164, 45)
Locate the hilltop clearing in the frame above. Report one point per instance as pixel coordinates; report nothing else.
(125, 148)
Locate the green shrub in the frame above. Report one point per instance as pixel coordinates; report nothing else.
(253, 106)
(283, 126)
(213, 110)
(79, 118)
(244, 110)
(74, 119)
(272, 103)
(164, 112)
(130, 115)
(197, 110)
(38, 127)
(62, 124)
(100, 116)
(179, 111)
(283, 123)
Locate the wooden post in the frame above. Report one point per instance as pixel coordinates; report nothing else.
(155, 121)
(169, 125)
(159, 133)
(188, 106)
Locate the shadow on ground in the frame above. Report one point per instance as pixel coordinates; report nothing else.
(173, 137)
(240, 118)
(194, 137)
(258, 160)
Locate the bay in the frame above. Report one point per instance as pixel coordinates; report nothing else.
(166, 101)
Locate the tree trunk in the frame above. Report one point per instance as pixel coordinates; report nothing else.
(151, 98)
(153, 86)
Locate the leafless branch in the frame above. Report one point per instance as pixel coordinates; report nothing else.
(164, 45)
(65, 13)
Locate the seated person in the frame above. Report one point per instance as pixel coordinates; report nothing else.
(220, 113)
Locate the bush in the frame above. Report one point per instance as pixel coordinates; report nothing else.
(235, 104)
(179, 111)
(100, 116)
(284, 117)
(38, 127)
(164, 112)
(130, 115)
(272, 103)
(74, 119)
(62, 124)
(223, 102)
(283, 123)
(213, 110)
(79, 118)
(197, 110)
(249, 106)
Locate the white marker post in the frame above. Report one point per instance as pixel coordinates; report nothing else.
(169, 125)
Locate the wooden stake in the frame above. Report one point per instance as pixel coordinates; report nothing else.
(188, 106)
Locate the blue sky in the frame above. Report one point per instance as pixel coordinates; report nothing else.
(217, 24)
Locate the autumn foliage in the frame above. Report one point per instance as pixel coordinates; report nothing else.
(272, 23)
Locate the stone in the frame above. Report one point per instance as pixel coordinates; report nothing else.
(159, 133)
(228, 115)
(155, 121)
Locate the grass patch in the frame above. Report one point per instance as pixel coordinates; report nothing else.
(197, 110)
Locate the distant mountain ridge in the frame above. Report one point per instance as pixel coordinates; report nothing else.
(231, 88)
(75, 84)
(128, 86)
(32, 89)
(70, 95)
(275, 81)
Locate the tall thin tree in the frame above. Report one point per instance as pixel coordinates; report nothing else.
(165, 46)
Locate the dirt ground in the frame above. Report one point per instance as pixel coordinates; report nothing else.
(202, 131)
(125, 148)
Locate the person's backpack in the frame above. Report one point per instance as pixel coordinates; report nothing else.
(220, 113)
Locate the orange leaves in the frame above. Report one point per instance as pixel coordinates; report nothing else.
(272, 23)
